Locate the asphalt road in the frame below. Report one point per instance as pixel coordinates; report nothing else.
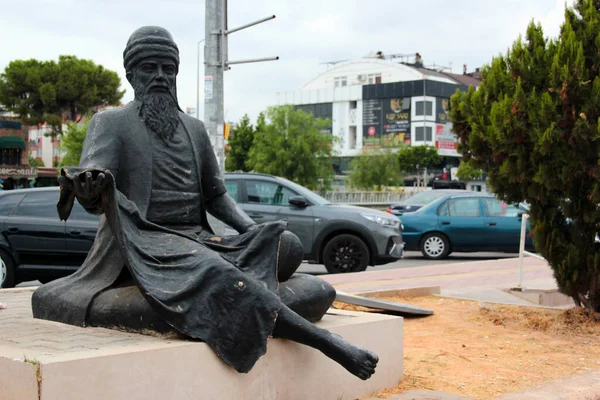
(415, 259)
(411, 259)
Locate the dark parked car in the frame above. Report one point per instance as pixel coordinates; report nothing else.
(414, 202)
(465, 223)
(35, 244)
(345, 238)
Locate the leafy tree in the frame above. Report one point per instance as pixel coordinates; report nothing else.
(240, 144)
(467, 172)
(36, 162)
(378, 167)
(72, 142)
(49, 91)
(533, 126)
(413, 158)
(417, 158)
(292, 144)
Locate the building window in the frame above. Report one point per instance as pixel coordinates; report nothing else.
(423, 134)
(353, 105)
(10, 157)
(340, 81)
(373, 78)
(424, 108)
(352, 138)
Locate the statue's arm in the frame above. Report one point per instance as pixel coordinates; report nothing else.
(101, 150)
(218, 202)
(225, 209)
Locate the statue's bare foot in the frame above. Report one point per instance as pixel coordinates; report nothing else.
(359, 362)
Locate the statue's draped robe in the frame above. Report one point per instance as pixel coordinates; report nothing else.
(220, 290)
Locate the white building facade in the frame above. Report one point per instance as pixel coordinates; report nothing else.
(373, 100)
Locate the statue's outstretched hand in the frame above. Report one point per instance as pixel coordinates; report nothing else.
(85, 186)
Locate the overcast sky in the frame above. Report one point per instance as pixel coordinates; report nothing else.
(305, 34)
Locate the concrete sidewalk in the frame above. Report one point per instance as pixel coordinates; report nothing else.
(477, 280)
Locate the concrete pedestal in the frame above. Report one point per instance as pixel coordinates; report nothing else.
(50, 361)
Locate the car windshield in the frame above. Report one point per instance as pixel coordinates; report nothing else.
(424, 198)
(308, 194)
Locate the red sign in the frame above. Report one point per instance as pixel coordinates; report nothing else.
(446, 145)
(371, 131)
(439, 131)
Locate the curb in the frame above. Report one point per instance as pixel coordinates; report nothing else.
(579, 387)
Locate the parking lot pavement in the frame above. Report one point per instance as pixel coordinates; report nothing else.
(416, 259)
(411, 259)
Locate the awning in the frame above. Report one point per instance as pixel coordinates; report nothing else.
(11, 142)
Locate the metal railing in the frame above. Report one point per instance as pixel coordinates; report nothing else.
(371, 198)
(522, 251)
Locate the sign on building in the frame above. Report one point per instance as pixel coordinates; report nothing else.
(386, 120)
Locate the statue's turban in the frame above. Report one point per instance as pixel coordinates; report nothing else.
(149, 41)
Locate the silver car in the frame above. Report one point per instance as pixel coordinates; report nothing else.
(342, 237)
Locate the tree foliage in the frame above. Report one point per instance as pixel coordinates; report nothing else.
(292, 144)
(467, 172)
(378, 168)
(240, 145)
(72, 142)
(49, 91)
(413, 158)
(36, 162)
(534, 127)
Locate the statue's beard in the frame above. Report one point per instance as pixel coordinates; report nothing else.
(160, 113)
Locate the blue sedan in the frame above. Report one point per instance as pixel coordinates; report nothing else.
(478, 222)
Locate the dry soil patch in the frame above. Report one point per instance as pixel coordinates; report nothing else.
(484, 350)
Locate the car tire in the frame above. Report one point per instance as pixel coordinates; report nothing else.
(345, 253)
(435, 246)
(7, 270)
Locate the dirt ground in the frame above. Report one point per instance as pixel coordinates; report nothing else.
(483, 350)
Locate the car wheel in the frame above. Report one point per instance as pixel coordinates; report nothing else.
(7, 270)
(435, 246)
(345, 253)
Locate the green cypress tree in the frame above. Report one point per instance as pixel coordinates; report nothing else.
(534, 127)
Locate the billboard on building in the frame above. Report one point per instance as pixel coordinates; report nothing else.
(386, 120)
(445, 140)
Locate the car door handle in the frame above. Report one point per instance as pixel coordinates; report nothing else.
(445, 222)
(76, 233)
(491, 223)
(255, 216)
(13, 229)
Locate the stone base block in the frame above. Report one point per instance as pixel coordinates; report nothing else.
(50, 361)
(543, 297)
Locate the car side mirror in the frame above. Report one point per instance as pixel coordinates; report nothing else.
(298, 201)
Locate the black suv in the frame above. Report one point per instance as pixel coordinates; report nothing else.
(34, 243)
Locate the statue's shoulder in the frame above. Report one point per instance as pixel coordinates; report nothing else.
(117, 113)
(192, 122)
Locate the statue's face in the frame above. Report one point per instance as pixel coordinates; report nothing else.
(155, 75)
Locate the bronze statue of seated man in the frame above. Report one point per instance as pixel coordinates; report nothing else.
(150, 171)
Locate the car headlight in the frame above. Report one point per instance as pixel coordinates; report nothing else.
(382, 220)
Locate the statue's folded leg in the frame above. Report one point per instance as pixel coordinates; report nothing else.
(290, 255)
(307, 295)
(126, 308)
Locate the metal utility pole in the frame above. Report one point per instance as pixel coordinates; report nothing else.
(216, 62)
